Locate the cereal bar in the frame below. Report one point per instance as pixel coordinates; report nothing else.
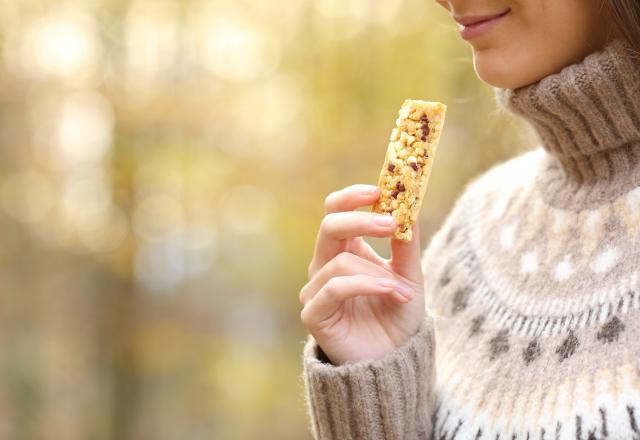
(405, 174)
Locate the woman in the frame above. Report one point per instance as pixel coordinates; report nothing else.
(522, 318)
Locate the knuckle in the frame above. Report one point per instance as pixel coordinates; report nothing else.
(332, 288)
(329, 201)
(307, 318)
(342, 262)
(304, 316)
(327, 222)
(305, 293)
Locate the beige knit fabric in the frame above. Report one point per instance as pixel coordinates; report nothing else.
(531, 285)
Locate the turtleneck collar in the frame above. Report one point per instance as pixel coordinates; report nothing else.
(588, 119)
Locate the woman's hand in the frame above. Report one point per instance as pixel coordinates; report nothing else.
(358, 305)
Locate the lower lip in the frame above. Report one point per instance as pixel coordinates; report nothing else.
(475, 30)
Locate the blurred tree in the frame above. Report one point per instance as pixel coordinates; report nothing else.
(162, 170)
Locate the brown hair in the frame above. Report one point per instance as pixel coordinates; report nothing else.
(626, 17)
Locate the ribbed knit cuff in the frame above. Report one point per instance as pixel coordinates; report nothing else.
(387, 398)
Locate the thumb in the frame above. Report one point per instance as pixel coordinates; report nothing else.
(405, 257)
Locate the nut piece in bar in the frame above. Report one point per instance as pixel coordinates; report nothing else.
(407, 165)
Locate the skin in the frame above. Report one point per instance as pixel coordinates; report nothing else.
(535, 39)
(348, 311)
(359, 306)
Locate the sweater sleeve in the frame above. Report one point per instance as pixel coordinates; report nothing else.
(387, 398)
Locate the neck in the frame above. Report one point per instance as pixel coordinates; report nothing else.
(587, 117)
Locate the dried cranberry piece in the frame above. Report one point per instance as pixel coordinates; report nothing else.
(395, 193)
(425, 132)
(400, 187)
(414, 165)
(391, 167)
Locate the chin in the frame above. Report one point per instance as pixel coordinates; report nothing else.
(495, 71)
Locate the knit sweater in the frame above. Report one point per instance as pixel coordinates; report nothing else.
(531, 285)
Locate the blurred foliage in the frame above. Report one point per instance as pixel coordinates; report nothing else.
(163, 166)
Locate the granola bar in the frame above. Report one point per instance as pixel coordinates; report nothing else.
(405, 174)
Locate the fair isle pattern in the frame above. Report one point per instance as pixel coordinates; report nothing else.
(539, 312)
(532, 287)
(547, 321)
(614, 245)
(623, 425)
(473, 406)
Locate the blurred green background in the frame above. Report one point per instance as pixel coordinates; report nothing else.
(163, 166)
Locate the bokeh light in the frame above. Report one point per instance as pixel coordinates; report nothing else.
(247, 210)
(27, 196)
(236, 51)
(163, 166)
(59, 44)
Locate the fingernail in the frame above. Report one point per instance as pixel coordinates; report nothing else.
(369, 191)
(384, 220)
(404, 290)
(386, 282)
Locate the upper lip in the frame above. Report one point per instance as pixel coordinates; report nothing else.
(467, 20)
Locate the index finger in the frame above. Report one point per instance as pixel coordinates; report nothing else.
(351, 197)
(338, 228)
